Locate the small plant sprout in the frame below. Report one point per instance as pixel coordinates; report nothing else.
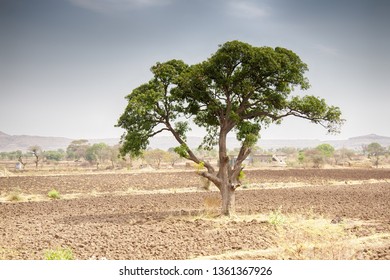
(54, 194)
(59, 254)
(276, 217)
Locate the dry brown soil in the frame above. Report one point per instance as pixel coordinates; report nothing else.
(158, 215)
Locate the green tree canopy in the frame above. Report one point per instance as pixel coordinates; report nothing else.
(326, 150)
(375, 150)
(240, 88)
(77, 149)
(55, 155)
(98, 153)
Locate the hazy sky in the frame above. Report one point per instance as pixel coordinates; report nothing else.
(66, 65)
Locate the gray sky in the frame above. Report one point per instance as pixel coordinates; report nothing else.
(66, 65)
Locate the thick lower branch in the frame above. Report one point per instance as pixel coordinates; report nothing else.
(217, 181)
(242, 155)
(191, 155)
(235, 173)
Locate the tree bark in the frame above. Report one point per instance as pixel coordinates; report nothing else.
(228, 200)
(226, 189)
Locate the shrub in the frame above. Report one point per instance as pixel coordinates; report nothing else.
(14, 196)
(59, 254)
(276, 217)
(53, 194)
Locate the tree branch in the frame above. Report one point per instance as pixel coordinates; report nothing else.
(158, 131)
(242, 155)
(191, 155)
(212, 178)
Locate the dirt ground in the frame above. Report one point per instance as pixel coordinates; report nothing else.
(281, 214)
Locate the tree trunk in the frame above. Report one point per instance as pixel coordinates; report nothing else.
(228, 200)
(227, 192)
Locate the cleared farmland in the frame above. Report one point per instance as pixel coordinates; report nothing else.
(281, 214)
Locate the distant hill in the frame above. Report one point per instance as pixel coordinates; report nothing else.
(352, 143)
(355, 143)
(23, 142)
(370, 138)
(359, 141)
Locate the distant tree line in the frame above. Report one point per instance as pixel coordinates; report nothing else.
(76, 151)
(101, 153)
(326, 154)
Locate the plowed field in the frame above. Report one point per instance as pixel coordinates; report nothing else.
(281, 214)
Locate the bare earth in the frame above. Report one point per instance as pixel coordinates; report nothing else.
(166, 215)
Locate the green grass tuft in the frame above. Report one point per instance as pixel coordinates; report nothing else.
(276, 217)
(53, 194)
(59, 254)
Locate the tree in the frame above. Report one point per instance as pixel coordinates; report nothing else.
(98, 153)
(173, 156)
(375, 150)
(156, 156)
(22, 163)
(77, 149)
(113, 153)
(54, 155)
(315, 156)
(37, 153)
(326, 150)
(342, 155)
(240, 89)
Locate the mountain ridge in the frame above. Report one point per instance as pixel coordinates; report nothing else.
(23, 142)
(369, 136)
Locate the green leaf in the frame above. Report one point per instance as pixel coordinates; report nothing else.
(182, 150)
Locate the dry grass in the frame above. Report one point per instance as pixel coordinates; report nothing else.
(14, 196)
(313, 239)
(305, 236)
(212, 206)
(6, 254)
(205, 183)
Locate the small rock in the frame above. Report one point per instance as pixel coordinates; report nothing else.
(336, 220)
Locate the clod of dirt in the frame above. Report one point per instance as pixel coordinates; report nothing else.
(336, 220)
